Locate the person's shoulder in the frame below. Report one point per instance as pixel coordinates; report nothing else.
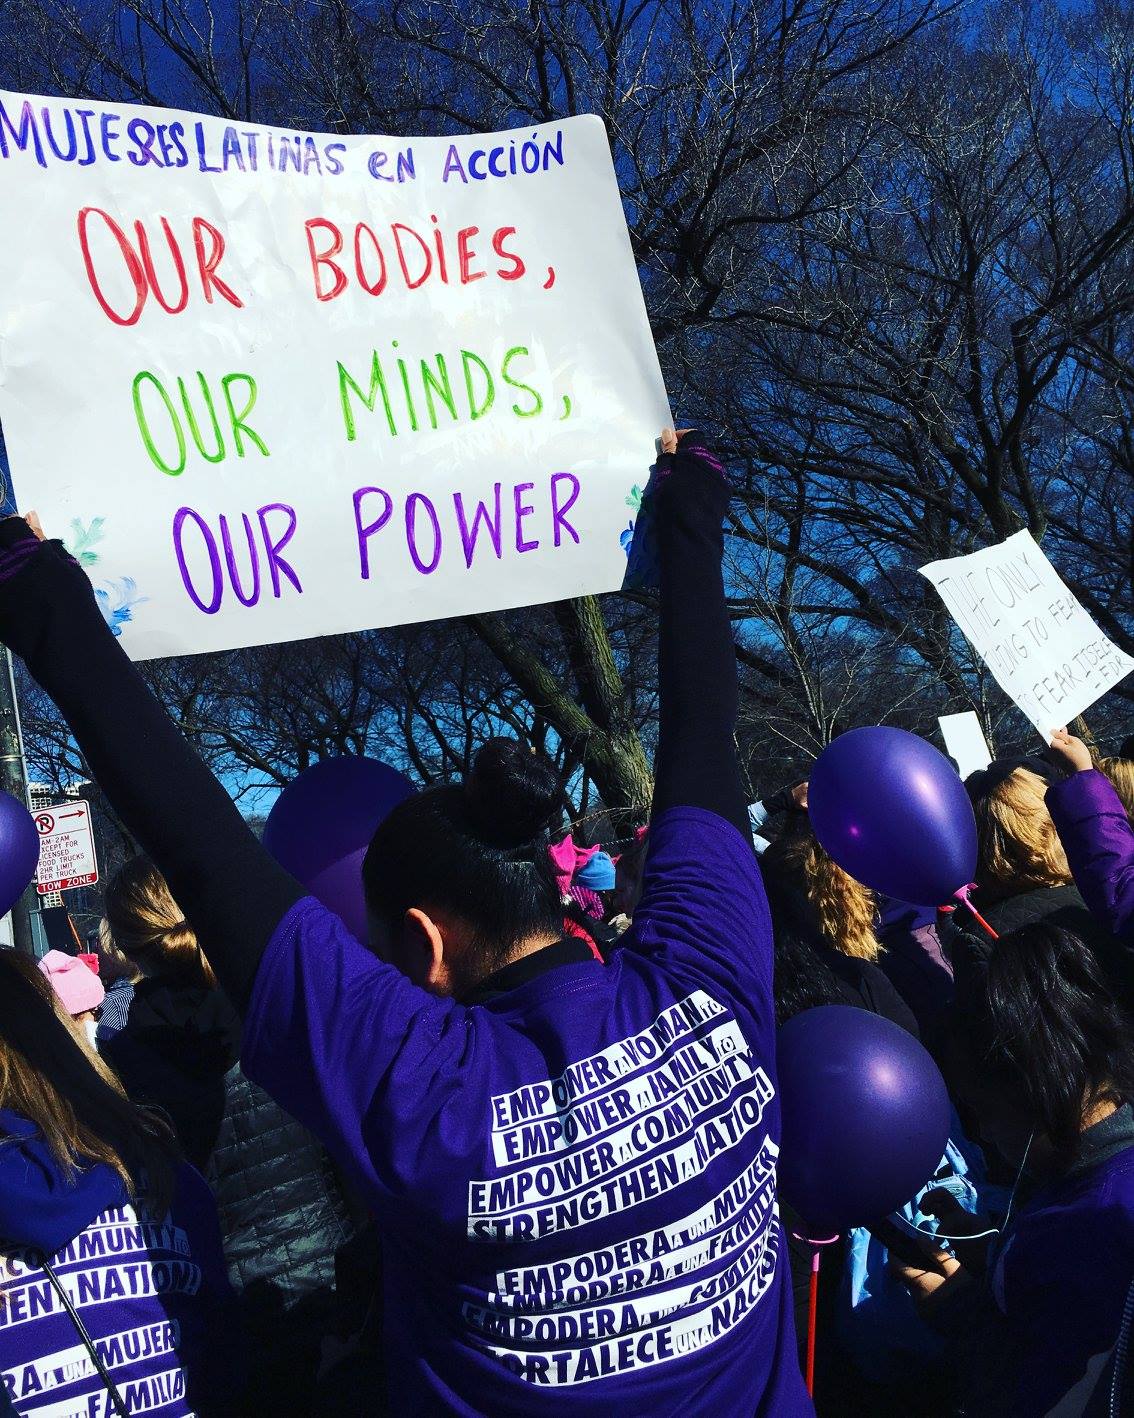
(1067, 909)
(872, 988)
(1075, 1236)
(866, 976)
(696, 822)
(310, 938)
(1118, 1173)
(310, 923)
(1098, 1198)
(1036, 903)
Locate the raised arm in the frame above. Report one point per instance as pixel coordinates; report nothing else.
(232, 892)
(1097, 837)
(703, 913)
(696, 763)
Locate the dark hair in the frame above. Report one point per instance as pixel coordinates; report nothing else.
(1049, 1026)
(801, 978)
(74, 1098)
(477, 849)
(1127, 748)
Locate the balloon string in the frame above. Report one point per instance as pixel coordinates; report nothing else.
(816, 1243)
(966, 899)
(812, 1317)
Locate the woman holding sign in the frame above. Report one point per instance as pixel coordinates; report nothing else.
(573, 1164)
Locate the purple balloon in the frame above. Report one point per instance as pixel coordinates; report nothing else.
(19, 850)
(893, 813)
(321, 824)
(865, 1117)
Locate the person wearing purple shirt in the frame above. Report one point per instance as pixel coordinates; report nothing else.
(113, 1294)
(573, 1165)
(1043, 1055)
(1096, 835)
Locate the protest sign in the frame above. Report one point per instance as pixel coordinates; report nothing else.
(269, 384)
(1042, 647)
(965, 742)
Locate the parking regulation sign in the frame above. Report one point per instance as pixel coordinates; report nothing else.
(66, 848)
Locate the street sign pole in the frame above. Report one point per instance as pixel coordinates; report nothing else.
(14, 779)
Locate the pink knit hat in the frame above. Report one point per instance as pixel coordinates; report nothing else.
(566, 859)
(74, 982)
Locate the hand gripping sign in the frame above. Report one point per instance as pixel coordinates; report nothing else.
(269, 384)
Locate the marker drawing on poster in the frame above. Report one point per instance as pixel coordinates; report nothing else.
(1042, 647)
(268, 385)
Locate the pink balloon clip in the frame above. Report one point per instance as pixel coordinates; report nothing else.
(965, 898)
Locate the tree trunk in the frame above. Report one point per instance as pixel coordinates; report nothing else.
(595, 726)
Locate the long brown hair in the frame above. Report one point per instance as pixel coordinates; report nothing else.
(50, 1077)
(843, 908)
(147, 926)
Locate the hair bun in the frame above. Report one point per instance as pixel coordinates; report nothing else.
(513, 793)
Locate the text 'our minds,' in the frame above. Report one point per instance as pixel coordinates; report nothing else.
(197, 417)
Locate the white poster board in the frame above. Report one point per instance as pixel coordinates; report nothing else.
(66, 848)
(270, 384)
(965, 742)
(1042, 647)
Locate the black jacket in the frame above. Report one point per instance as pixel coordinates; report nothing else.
(866, 986)
(969, 945)
(283, 1216)
(178, 1043)
(1056, 905)
(829, 976)
(283, 1212)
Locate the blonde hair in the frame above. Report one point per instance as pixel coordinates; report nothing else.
(1018, 846)
(1120, 771)
(844, 909)
(147, 926)
(46, 1077)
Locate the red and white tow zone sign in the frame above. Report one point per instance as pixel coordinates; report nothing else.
(66, 848)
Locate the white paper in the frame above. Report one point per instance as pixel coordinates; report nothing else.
(527, 502)
(1042, 647)
(965, 742)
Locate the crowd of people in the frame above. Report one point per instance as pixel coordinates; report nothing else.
(516, 1153)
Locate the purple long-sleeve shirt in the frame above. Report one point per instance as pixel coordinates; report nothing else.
(1099, 842)
(575, 1181)
(577, 1177)
(1060, 1281)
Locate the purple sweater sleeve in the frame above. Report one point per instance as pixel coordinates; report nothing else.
(1099, 842)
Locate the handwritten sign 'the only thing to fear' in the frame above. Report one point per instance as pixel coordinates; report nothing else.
(1042, 647)
(269, 385)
